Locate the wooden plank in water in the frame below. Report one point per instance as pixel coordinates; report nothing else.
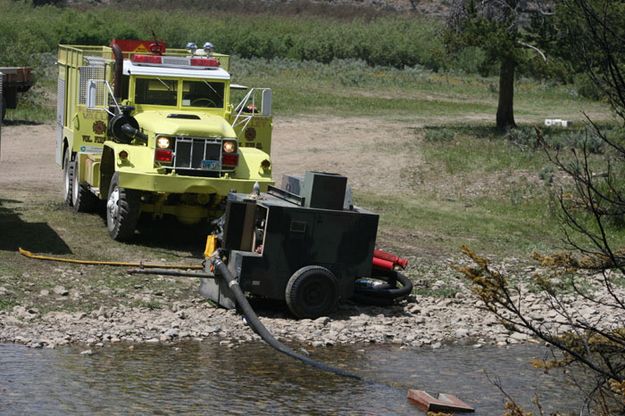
(444, 403)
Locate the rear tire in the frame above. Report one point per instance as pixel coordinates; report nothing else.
(82, 198)
(122, 210)
(312, 292)
(68, 178)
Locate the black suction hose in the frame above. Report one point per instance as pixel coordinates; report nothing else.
(388, 293)
(259, 328)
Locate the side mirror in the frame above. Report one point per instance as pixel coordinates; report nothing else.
(266, 103)
(92, 92)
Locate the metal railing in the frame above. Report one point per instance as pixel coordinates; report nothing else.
(248, 107)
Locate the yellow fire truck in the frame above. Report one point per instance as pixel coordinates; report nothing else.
(152, 130)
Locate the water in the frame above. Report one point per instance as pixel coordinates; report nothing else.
(204, 378)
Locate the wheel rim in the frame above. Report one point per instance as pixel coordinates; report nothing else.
(75, 188)
(66, 189)
(316, 294)
(66, 182)
(112, 209)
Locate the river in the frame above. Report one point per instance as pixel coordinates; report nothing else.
(205, 378)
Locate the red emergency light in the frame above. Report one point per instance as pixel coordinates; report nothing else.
(147, 59)
(175, 61)
(204, 62)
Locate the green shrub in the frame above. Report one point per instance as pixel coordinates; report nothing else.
(586, 88)
(470, 60)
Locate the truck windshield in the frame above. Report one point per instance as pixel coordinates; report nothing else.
(202, 94)
(156, 91)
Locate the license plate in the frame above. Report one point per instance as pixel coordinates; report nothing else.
(211, 164)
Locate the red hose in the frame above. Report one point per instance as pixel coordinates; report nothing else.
(379, 263)
(395, 260)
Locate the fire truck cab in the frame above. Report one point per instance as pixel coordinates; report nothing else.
(153, 131)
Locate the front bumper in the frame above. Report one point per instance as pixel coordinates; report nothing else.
(178, 184)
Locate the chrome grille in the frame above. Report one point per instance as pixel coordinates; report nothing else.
(197, 153)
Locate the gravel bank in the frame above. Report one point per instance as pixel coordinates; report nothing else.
(422, 320)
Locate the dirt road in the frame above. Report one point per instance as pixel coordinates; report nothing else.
(361, 149)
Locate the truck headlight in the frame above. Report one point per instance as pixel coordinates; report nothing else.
(230, 146)
(162, 142)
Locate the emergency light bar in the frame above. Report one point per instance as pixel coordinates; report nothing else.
(174, 61)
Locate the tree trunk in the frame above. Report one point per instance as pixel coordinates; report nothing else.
(505, 110)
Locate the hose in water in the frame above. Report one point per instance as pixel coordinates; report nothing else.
(259, 328)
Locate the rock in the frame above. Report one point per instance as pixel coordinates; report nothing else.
(60, 290)
(322, 321)
(439, 284)
(419, 320)
(414, 309)
(461, 333)
(337, 326)
(171, 333)
(436, 345)
(519, 336)
(43, 293)
(86, 352)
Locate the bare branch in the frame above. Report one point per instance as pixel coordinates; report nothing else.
(534, 48)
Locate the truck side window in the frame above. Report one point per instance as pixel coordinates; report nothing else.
(156, 91)
(202, 94)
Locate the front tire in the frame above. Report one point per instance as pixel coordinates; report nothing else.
(122, 210)
(312, 292)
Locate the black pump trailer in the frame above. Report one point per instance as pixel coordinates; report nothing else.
(303, 243)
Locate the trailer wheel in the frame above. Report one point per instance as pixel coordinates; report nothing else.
(82, 198)
(312, 292)
(122, 210)
(68, 178)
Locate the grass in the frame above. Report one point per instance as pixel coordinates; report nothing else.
(347, 88)
(497, 227)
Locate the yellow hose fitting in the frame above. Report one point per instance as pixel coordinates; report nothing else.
(211, 245)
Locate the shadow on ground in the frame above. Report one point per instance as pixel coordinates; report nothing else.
(168, 235)
(21, 123)
(34, 236)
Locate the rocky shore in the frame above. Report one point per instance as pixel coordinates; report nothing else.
(422, 320)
